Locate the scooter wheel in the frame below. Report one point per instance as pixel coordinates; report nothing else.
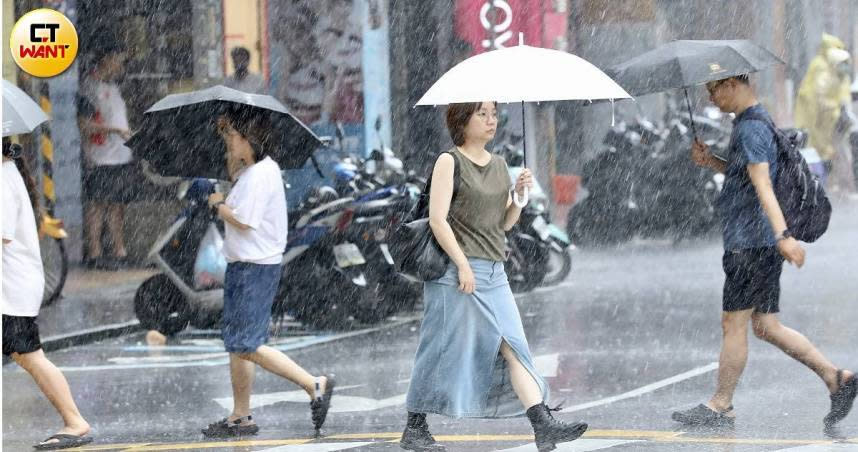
(160, 306)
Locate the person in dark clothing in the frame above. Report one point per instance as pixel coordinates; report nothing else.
(756, 243)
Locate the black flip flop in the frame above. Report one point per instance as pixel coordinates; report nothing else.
(64, 441)
(319, 406)
(842, 399)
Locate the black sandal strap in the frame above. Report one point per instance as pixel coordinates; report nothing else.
(239, 420)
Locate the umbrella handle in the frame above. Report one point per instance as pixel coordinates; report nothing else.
(522, 201)
(690, 116)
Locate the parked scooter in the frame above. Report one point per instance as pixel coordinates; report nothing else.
(325, 279)
(182, 293)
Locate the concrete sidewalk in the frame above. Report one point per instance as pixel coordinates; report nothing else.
(95, 304)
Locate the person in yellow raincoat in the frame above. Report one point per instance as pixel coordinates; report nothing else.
(822, 95)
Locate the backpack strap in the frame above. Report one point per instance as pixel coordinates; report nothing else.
(780, 138)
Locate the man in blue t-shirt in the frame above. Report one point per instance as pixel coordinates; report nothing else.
(756, 243)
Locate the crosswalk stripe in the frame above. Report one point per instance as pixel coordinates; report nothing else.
(315, 447)
(581, 445)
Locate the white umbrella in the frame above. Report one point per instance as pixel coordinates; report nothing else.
(522, 74)
(20, 113)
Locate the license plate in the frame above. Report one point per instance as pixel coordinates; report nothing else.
(347, 255)
(541, 227)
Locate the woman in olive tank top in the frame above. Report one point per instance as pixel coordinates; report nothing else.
(473, 359)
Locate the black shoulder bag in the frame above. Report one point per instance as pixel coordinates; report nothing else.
(413, 247)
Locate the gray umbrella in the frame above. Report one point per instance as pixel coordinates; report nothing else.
(178, 136)
(20, 113)
(683, 64)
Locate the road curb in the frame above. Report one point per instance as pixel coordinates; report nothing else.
(89, 335)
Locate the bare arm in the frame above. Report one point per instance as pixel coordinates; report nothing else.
(6, 242)
(513, 213)
(789, 248)
(440, 196)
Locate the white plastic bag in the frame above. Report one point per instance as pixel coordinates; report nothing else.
(210, 265)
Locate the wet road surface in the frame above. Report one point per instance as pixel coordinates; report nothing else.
(632, 335)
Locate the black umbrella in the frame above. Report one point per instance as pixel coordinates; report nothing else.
(179, 137)
(683, 64)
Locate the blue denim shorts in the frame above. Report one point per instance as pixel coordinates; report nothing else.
(248, 294)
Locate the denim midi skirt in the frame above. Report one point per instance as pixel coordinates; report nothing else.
(458, 370)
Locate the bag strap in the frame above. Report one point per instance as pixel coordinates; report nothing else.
(780, 138)
(423, 204)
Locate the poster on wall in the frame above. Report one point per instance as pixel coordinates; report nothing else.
(329, 66)
(317, 67)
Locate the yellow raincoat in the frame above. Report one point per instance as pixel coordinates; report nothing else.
(821, 94)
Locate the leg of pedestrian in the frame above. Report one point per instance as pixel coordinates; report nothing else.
(734, 357)
(523, 384)
(115, 224)
(842, 384)
(318, 388)
(278, 363)
(94, 222)
(718, 412)
(55, 387)
(242, 373)
(547, 430)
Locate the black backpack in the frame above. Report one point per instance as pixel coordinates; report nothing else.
(800, 194)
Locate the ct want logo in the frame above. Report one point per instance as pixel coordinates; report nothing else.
(44, 43)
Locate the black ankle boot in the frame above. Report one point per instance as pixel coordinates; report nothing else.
(416, 435)
(550, 431)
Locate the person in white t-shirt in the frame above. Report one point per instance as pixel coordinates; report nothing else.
(103, 121)
(255, 220)
(21, 298)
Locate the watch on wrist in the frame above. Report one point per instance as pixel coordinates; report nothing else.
(217, 205)
(784, 235)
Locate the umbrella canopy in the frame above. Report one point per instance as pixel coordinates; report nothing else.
(178, 136)
(20, 113)
(522, 74)
(683, 64)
